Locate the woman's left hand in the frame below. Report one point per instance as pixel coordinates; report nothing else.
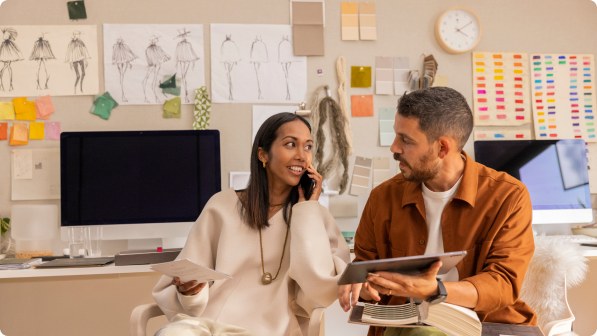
(318, 179)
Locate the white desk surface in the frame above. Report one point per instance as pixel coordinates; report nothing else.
(73, 271)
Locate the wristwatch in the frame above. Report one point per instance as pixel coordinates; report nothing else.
(441, 294)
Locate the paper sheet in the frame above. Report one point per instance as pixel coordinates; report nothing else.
(386, 125)
(307, 27)
(349, 12)
(384, 76)
(187, 270)
(262, 112)
(367, 21)
(361, 105)
(360, 176)
(36, 174)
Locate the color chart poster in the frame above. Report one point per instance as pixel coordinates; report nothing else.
(501, 89)
(563, 91)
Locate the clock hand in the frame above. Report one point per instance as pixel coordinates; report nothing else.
(464, 26)
(461, 32)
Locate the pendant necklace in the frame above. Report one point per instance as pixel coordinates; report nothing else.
(267, 278)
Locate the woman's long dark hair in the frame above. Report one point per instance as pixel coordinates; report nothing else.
(255, 198)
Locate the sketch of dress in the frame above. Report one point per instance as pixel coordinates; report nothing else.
(185, 57)
(285, 58)
(9, 52)
(230, 56)
(259, 55)
(155, 56)
(42, 51)
(122, 57)
(76, 56)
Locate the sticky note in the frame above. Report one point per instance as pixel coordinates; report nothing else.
(361, 105)
(169, 83)
(36, 130)
(172, 91)
(19, 134)
(76, 10)
(52, 130)
(360, 76)
(172, 108)
(3, 131)
(24, 109)
(7, 111)
(45, 107)
(103, 106)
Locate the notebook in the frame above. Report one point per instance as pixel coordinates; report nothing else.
(77, 262)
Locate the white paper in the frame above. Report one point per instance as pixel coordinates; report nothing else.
(187, 270)
(262, 112)
(36, 174)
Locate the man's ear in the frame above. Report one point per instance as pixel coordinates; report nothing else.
(445, 145)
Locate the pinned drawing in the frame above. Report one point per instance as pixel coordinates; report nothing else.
(9, 53)
(162, 50)
(122, 58)
(230, 56)
(42, 51)
(77, 56)
(185, 57)
(259, 55)
(155, 56)
(255, 64)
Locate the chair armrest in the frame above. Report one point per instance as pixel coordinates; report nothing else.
(316, 323)
(140, 316)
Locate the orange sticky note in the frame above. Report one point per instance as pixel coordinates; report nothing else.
(7, 111)
(361, 105)
(3, 131)
(18, 134)
(24, 109)
(36, 130)
(45, 107)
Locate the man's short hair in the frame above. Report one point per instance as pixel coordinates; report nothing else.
(440, 111)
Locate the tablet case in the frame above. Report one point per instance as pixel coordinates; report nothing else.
(356, 272)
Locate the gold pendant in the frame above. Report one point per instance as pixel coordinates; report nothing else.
(266, 278)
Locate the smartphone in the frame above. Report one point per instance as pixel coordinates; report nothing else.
(307, 184)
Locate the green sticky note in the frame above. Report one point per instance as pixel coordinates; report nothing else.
(169, 83)
(360, 76)
(173, 91)
(76, 10)
(103, 106)
(172, 108)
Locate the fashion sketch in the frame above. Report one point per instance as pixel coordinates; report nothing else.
(122, 57)
(230, 57)
(42, 51)
(9, 53)
(259, 55)
(77, 55)
(155, 57)
(285, 57)
(185, 58)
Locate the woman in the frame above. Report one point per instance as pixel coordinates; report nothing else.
(284, 252)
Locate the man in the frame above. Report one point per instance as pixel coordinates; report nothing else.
(443, 201)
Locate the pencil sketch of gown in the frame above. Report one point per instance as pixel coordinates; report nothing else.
(122, 57)
(185, 57)
(42, 51)
(285, 58)
(9, 52)
(155, 56)
(230, 56)
(259, 55)
(76, 56)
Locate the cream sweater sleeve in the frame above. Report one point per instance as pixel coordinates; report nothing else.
(318, 255)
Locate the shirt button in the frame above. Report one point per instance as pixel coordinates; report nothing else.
(422, 242)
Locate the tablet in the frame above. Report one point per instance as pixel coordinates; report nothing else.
(356, 272)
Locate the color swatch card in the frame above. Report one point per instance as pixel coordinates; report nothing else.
(386, 125)
(381, 170)
(401, 68)
(367, 21)
(384, 76)
(563, 92)
(307, 28)
(360, 76)
(350, 21)
(360, 176)
(502, 134)
(361, 105)
(501, 89)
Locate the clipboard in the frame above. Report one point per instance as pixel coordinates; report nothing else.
(356, 272)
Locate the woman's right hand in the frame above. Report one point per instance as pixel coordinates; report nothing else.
(188, 288)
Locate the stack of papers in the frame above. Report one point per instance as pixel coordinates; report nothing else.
(187, 270)
(18, 263)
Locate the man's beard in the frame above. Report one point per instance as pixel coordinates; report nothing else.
(423, 172)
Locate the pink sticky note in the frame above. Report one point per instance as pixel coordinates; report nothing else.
(52, 130)
(45, 107)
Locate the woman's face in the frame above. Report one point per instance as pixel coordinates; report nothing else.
(289, 155)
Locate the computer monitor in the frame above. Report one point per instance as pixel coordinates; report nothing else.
(138, 184)
(554, 171)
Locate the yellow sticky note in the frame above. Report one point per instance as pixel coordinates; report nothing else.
(360, 76)
(172, 108)
(24, 109)
(7, 111)
(45, 107)
(19, 134)
(36, 130)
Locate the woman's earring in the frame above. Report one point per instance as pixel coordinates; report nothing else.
(263, 163)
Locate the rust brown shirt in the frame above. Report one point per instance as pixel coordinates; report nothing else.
(489, 217)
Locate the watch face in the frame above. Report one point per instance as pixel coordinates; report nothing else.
(458, 31)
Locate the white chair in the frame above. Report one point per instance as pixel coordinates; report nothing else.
(142, 313)
(555, 266)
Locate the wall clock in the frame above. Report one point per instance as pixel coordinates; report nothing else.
(458, 31)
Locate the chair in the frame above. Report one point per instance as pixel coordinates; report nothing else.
(142, 313)
(555, 266)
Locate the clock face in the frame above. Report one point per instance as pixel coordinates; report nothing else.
(458, 31)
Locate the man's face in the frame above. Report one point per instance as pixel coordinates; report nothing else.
(418, 158)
